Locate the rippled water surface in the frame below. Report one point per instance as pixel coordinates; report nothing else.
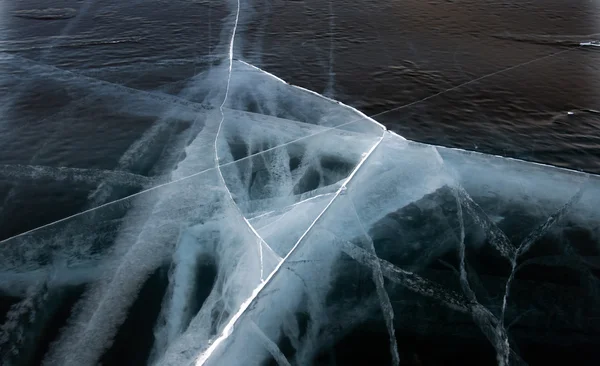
(502, 77)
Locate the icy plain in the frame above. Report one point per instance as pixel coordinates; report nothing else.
(289, 222)
(309, 196)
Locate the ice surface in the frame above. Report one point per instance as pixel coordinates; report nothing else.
(46, 14)
(282, 226)
(316, 197)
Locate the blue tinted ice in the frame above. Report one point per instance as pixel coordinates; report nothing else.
(279, 226)
(316, 222)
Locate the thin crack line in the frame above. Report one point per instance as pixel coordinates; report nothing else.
(500, 338)
(286, 210)
(221, 111)
(478, 312)
(526, 244)
(270, 346)
(370, 118)
(69, 75)
(177, 180)
(260, 252)
(473, 81)
(363, 115)
(384, 298)
(228, 329)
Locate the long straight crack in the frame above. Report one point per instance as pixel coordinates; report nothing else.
(181, 179)
(228, 329)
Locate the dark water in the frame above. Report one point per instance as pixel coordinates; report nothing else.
(501, 77)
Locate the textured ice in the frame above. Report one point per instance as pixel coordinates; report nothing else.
(315, 222)
(46, 14)
(281, 226)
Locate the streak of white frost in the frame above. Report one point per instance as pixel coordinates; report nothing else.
(228, 329)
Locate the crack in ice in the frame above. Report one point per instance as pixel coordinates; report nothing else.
(361, 114)
(68, 75)
(491, 326)
(262, 268)
(466, 302)
(408, 279)
(484, 319)
(228, 329)
(38, 172)
(526, 244)
(180, 180)
(271, 346)
(476, 80)
(384, 298)
(497, 237)
(221, 111)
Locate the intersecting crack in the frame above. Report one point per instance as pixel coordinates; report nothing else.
(494, 328)
(384, 298)
(270, 346)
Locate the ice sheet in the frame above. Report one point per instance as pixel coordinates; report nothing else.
(288, 223)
